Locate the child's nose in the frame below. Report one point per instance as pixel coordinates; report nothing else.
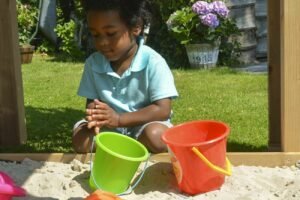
(101, 41)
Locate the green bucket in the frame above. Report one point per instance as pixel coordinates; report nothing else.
(117, 159)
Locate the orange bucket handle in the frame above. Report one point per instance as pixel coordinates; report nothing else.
(226, 171)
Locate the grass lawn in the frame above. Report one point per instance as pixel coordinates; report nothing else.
(236, 98)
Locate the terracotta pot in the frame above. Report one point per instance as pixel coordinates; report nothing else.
(26, 53)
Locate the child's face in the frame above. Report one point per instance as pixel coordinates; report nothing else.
(111, 35)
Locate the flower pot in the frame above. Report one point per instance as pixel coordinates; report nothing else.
(203, 55)
(26, 53)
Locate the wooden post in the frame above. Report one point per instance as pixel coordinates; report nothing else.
(12, 117)
(284, 76)
(274, 62)
(290, 75)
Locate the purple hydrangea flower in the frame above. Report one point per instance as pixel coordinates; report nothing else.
(220, 8)
(210, 20)
(201, 8)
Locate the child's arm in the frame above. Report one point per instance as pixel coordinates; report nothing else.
(157, 111)
(103, 115)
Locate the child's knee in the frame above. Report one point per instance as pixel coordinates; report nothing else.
(82, 138)
(151, 136)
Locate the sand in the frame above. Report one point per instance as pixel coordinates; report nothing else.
(52, 181)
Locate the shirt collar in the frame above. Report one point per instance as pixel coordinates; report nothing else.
(139, 62)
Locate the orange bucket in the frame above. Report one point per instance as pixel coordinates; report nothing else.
(198, 155)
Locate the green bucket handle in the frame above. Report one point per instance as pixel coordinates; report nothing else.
(226, 171)
(131, 188)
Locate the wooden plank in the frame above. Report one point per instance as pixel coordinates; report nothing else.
(290, 76)
(12, 117)
(274, 80)
(267, 159)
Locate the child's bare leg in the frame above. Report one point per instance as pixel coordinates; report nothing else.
(82, 138)
(151, 137)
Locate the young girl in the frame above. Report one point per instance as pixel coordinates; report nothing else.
(128, 86)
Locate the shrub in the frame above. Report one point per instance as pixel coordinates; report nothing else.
(27, 15)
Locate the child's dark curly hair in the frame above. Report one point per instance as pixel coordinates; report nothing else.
(132, 12)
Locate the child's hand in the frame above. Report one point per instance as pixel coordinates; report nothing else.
(102, 115)
(91, 123)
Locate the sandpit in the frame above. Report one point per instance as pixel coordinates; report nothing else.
(52, 181)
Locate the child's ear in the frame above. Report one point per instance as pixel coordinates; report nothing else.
(136, 31)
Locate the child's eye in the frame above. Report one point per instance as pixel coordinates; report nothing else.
(111, 34)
